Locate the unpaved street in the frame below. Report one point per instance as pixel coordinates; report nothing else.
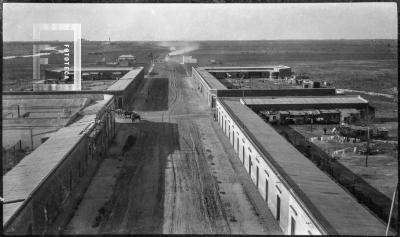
(171, 173)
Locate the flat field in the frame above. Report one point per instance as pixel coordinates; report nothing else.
(363, 65)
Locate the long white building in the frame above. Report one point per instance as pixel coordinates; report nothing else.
(303, 199)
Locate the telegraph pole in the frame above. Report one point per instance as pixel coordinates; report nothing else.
(391, 208)
(367, 150)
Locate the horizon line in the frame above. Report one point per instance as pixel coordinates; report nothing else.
(22, 41)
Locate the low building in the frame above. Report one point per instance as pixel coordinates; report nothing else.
(302, 198)
(349, 115)
(330, 115)
(308, 84)
(126, 60)
(207, 80)
(302, 116)
(45, 183)
(123, 88)
(349, 106)
(87, 74)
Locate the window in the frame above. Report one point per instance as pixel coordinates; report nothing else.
(250, 166)
(119, 102)
(243, 154)
(257, 170)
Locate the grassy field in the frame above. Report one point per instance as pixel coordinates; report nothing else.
(365, 65)
(360, 65)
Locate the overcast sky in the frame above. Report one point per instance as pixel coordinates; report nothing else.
(162, 22)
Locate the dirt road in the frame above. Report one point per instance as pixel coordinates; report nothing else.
(174, 172)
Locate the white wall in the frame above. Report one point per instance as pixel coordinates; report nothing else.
(199, 83)
(289, 206)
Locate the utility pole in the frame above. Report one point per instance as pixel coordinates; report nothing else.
(367, 149)
(391, 208)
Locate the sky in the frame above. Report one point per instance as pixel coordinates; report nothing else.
(196, 22)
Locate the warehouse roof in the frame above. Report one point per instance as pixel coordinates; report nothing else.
(126, 80)
(126, 56)
(333, 207)
(243, 70)
(247, 68)
(93, 69)
(304, 100)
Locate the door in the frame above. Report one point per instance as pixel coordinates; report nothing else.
(30, 229)
(119, 102)
(257, 177)
(225, 127)
(243, 155)
(293, 226)
(278, 208)
(250, 166)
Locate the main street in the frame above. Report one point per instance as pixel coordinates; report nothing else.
(172, 173)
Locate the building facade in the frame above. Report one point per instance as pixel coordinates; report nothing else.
(59, 170)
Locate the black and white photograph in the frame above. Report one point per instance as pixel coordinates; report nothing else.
(200, 118)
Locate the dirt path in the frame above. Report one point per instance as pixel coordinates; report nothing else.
(175, 175)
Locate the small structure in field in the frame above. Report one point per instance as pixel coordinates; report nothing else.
(126, 60)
